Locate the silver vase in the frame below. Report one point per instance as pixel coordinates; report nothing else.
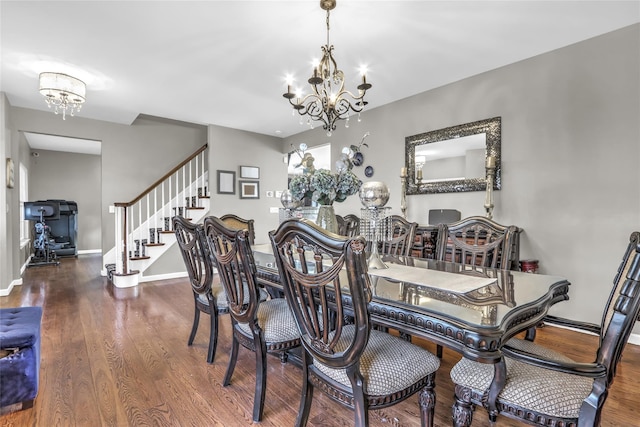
(327, 218)
(374, 194)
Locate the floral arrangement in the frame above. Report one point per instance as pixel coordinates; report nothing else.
(324, 187)
(321, 185)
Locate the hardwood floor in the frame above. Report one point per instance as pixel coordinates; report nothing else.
(119, 357)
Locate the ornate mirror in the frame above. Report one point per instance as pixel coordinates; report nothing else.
(453, 159)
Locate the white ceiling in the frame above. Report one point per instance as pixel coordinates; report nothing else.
(225, 62)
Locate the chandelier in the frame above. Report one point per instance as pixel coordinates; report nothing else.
(329, 100)
(64, 92)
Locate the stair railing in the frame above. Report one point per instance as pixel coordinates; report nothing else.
(140, 222)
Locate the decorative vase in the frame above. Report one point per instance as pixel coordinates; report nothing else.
(288, 201)
(327, 218)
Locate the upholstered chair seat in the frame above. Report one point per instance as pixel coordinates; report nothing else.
(555, 393)
(275, 320)
(388, 364)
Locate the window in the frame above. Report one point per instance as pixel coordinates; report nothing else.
(321, 159)
(25, 226)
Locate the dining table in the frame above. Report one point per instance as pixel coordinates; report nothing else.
(470, 309)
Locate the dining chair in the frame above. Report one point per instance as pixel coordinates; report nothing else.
(260, 326)
(478, 241)
(238, 223)
(208, 295)
(348, 225)
(544, 387)
(403, 234)
(324, 277)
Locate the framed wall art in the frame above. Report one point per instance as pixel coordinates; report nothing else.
(226, 182)
(249, 172)
(249, 189)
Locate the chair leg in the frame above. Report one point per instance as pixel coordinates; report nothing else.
(360, 406)
(427, 400)
(213, 337)
(462, 410)
(261, 378)
(194, 328)
(531, 334)
(232, 360)
(307, 396)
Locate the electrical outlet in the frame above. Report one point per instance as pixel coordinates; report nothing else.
(269, 193)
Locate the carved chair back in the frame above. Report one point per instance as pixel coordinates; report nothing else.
(235, 222)
(348, 225)
(231, 250)
(403, 234)
(315, 268)
(190, 241)
(622, 310)
(478, 241)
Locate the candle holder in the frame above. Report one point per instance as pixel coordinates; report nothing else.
(374, 226)
(403, 192)
(491, 171)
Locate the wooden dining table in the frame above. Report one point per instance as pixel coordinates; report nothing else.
(469, 309)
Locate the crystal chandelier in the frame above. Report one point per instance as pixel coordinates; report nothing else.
(329, 100)
(64, 92)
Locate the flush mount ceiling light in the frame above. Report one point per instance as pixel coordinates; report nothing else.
(64, 92)
(328, 101)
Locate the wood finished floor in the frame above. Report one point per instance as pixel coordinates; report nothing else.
(119, 357)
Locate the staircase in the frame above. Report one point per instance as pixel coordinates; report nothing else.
(143, 226)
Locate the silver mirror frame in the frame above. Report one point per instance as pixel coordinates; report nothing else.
(492, 128)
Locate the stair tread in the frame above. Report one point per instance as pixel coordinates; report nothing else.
(130, 273)
(139, 258)
(195, 207)
(154, 244)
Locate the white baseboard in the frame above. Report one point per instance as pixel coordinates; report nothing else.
(6, 292)
(633, 338)
(164, 276)
(89, 251)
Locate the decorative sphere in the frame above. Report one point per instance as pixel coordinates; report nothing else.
(374, 194)
(288, 201)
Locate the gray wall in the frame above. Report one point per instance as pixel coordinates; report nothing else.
(230, 149)
(570, 153)
(73, 177)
